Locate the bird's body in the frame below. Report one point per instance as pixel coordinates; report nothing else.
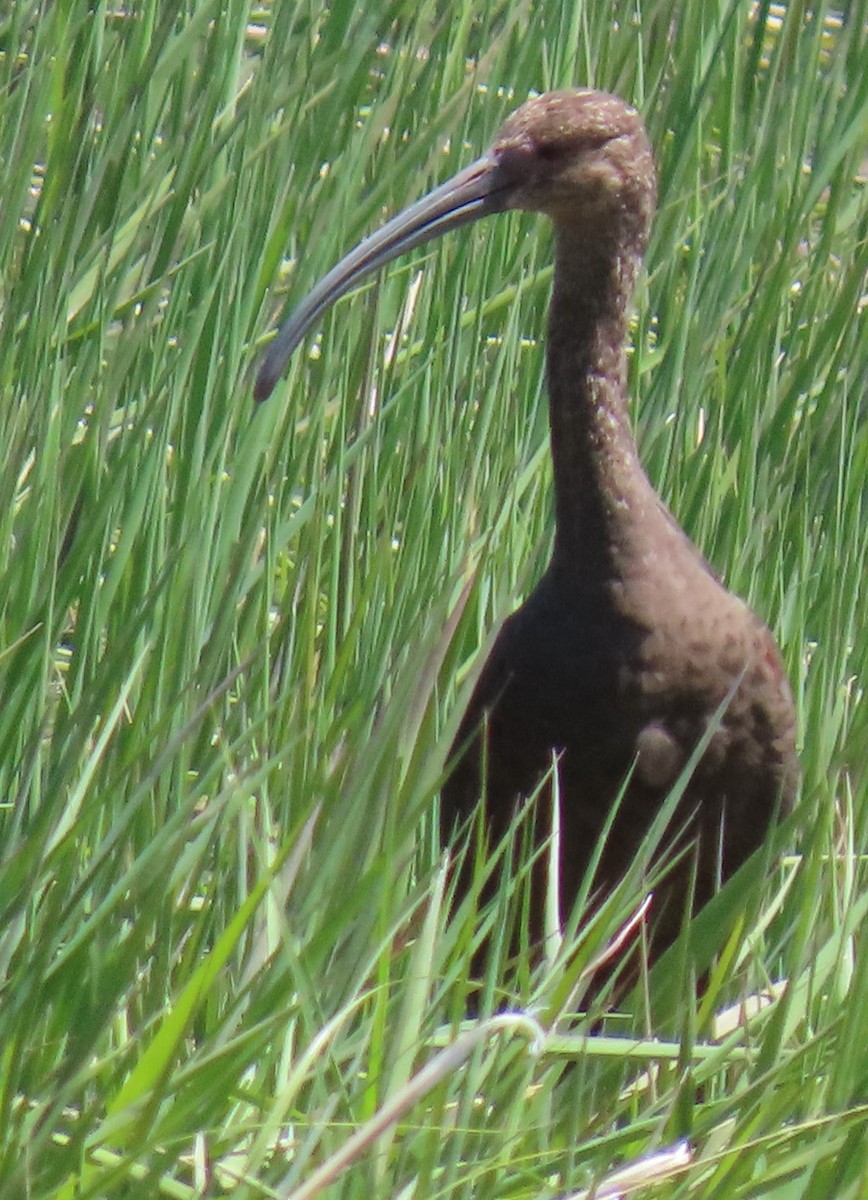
(629, 645)
(622, 677)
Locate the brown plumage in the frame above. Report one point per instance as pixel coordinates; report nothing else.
(629, 644)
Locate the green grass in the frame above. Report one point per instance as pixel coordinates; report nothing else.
(234, 644)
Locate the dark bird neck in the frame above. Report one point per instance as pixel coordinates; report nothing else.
(604, 503)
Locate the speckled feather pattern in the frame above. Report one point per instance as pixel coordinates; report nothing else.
(629, 644)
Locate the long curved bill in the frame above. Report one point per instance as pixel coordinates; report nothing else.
(474, 192)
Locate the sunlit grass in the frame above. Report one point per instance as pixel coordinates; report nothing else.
(234, 643)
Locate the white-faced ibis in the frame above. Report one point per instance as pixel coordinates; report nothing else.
(629, 644)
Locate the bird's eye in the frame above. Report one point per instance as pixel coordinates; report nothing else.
(549, 151)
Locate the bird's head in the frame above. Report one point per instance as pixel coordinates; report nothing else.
(581, 157)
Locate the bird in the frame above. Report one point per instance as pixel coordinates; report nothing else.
(629, 651)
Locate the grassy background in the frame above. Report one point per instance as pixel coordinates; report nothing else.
(234, 644)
